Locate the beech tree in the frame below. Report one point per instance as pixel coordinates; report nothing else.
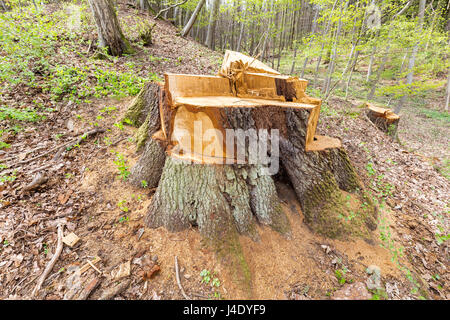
(110, 34)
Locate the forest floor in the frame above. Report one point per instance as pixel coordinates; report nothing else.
(85, 191)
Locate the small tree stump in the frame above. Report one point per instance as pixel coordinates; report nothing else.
(385, 119)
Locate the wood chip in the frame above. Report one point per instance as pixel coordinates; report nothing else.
(124, 270)
(86, 266)
(71, 239)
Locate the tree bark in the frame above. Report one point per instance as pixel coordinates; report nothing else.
(109, 32)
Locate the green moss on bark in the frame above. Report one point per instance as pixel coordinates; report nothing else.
(337, 214)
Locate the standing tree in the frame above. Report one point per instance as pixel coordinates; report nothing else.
(412, 59)
(109, 32)
(193, 18)
(212, 24)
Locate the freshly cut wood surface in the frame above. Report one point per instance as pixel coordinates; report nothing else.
(190, 85)
(322, 143)
(230, 102)
(383, 112)
(254, 65)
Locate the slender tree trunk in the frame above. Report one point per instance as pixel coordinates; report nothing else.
(241, 33)
(355, 61)
(193, 18)
(412, 59)
(333, 56)
(212, 24)
(313, 30)
(372, 58)
(323, 42)
(109, 32)
(448, 92)
(379, 72)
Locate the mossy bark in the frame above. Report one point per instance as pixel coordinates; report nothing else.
(144, 113)
(109, 32)
(326, 185)
(147, 171)
(145, 108)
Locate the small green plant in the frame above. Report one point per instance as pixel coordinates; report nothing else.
(45, 246)
(144, 184)
(340, 275)
(212, 280)
(4, 145)
(378, 294)
(122, 205)
(119, 125)
(120, 162)
(108, 110)
(8, 178)
(370, 170)
(206, 276)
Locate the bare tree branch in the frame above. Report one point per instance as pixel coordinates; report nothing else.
(168, 8)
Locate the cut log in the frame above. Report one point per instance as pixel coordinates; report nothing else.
(385, 119)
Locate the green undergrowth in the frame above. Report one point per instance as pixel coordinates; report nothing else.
(40, 50)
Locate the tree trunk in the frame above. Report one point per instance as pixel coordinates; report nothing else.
(193, 18)
(109, 32)
(212, 24)
(412, 59)
(448, 92)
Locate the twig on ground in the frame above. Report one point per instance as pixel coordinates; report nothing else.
(89, 289)
(94, 267)
(60, 147)
(52, 262)
(178, 279)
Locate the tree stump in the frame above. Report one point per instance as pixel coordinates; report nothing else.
(384, 119)
(224, 140)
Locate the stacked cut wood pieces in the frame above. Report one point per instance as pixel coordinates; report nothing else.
(243, 82)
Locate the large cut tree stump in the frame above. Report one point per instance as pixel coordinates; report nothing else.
(214, 170)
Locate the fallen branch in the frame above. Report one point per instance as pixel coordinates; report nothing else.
(25, 153)
(62, 146)
(37, 181)
(52, 262)
(89, 289)
(178, 280)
